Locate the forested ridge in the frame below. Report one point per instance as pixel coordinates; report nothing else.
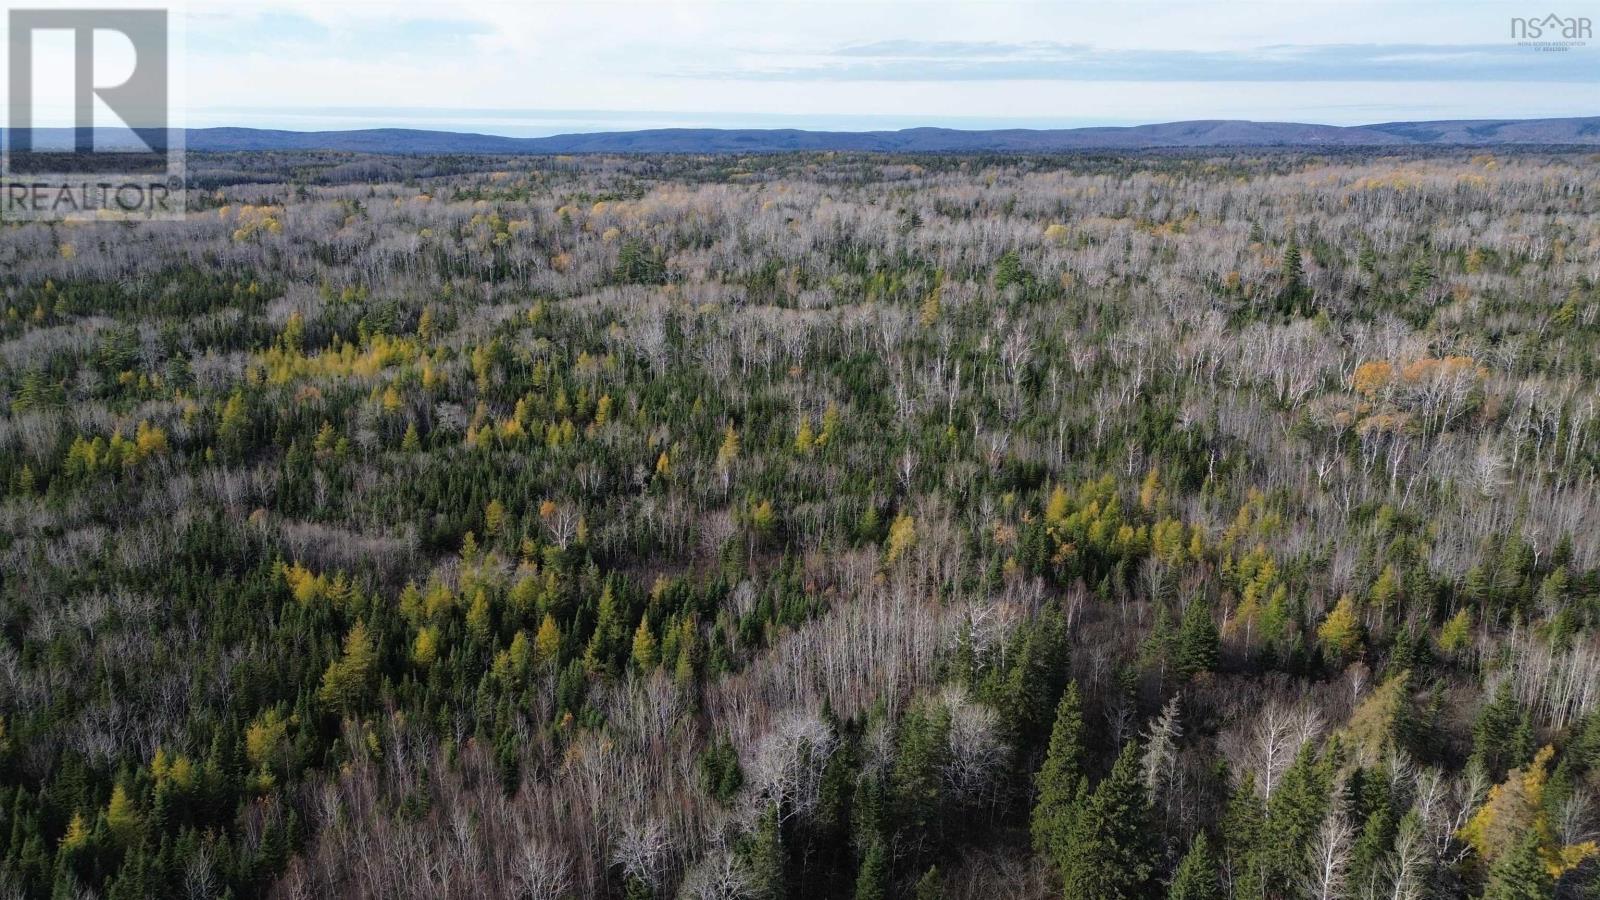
(813, 525)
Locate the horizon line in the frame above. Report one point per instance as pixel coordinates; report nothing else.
(1036, 124)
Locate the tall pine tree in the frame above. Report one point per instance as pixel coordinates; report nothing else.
(764, 857)
(872, 882)
(1059, 782)
(1197, 639)
(1196, 877)
(1109, 853)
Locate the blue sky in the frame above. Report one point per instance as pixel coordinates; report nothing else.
(547, 67)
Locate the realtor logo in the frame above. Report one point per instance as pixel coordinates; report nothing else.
(109, 152)
(1551, 32)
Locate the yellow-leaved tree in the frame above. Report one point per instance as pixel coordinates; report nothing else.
(547, 643)
(1455, 634)
(1055, 511)
(805, 439)
(1514, 810)
(345, 682)
(1340, 631)
(478, 617)
(763, 518)
(645, 648)
(294, 333)
(122, 818)
(425, 649)
(494, 518)
(727, 454)
(267, 739)
(1370, 730)
(830, 425)
(902, 537)
(1150, 490)
(77, 833)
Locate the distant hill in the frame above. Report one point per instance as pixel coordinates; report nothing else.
(1202, 133)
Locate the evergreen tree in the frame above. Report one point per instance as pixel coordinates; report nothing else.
(1292, 270)
(1109, 852)
(1367, 259)
(872, 882)
(1294, 813)
(1159, 648)
(720, 771)
(1036, 676)
(1377, 835)
(1422, 278)
(869, 813)
(917, 781)
(1196, 876)
(1243, 826)
(765, 857)
(1198, 641)
(1520, 874)
(1496, 743)
(1059, 782)
(829, 827)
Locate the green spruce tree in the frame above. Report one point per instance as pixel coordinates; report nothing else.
(1520, 874)
(1196, 876)
(1109, 853)
(1059, 782)
(1197, 639)
(872, 882)
(764, 857)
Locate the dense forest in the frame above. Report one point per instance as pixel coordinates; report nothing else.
(1176, 526)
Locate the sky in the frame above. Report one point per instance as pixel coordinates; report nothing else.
(532, 68)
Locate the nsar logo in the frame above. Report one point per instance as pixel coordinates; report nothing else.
(1552, 32)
